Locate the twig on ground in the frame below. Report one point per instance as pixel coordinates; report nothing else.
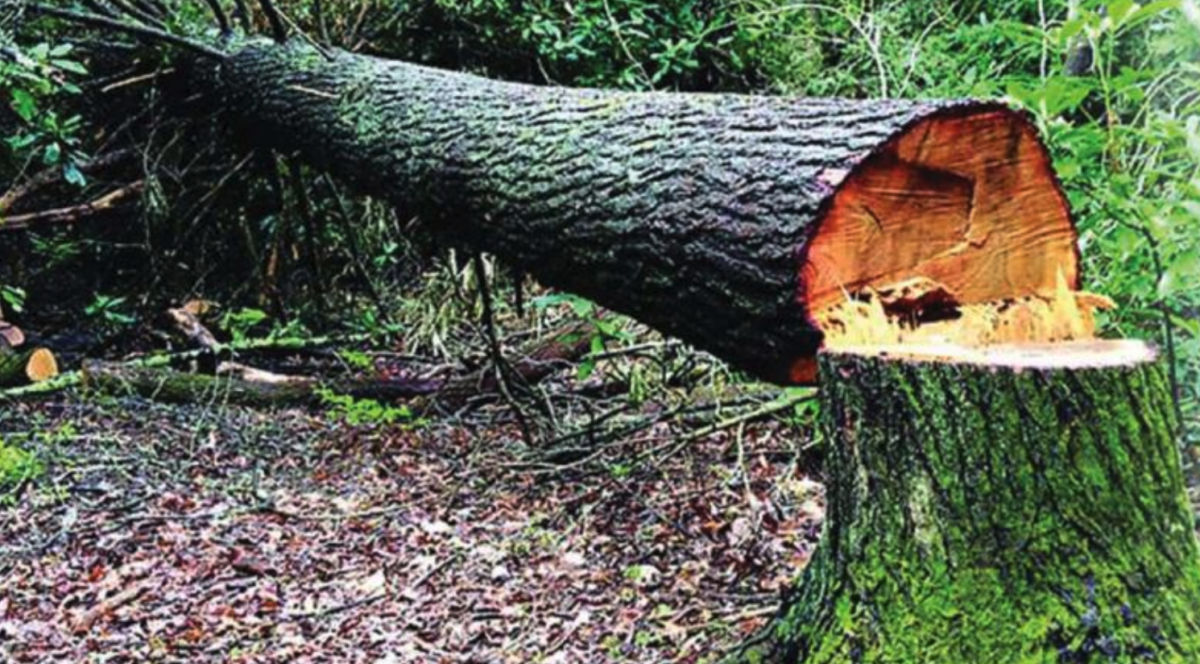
(143, 32)
(72, 213)
(84, 623)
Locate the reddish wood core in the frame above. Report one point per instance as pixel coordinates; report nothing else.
(967, 201)
(955, 233)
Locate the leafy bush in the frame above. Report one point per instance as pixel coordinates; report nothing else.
(16, 467)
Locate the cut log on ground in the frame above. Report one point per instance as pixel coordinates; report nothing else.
(22, 367)
(727, 221)
(1008, 505)
(238, 384)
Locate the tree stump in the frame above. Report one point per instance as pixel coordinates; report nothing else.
(1003, 505)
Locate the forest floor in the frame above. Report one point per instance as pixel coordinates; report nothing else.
(213, 533)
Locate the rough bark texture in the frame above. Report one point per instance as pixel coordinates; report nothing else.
(688, 212)
(991, 515)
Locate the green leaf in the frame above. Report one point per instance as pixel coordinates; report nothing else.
(1119, 10)
(53, 154)
(14, 297)
(1183, 272)
(22, 141)
(1148, 12)
(24, 104)
(582, 307)
(1068, 169)
(70, 65)
(73, 175)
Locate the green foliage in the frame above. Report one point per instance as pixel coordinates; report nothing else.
(632, 44)
(356, 359)
(13, 298)
(608, 328)
(366, 412)
(109, 311)
(17, 466)
(241, 323)
(37, 78)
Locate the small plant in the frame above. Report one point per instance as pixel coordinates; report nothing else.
(63, 433)
(17, 466)
(356, 359)
(238, 324)
(365, 412)
(107, 310)
(13, 298)
(608, 328)
(379, 328)
(37, 77)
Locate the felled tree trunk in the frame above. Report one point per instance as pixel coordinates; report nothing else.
(724, 220)
(999, 508)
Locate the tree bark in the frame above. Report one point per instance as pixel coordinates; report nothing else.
(996, 514)
(691, 212)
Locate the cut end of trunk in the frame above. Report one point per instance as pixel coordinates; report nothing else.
(963, 198)
(955, 233)
(41, 366)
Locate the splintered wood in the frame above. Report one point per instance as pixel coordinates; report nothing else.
(926, 312)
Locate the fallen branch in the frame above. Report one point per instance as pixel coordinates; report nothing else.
(535, 361)
(560, 456)
(74, 378)
(240, 385)
(84, 623)
(54, 175)
(142, 32)
(73, 213)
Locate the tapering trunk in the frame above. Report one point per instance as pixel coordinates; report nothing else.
(724, 220)
(999, 509)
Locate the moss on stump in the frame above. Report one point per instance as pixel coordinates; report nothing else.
(996, 514)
